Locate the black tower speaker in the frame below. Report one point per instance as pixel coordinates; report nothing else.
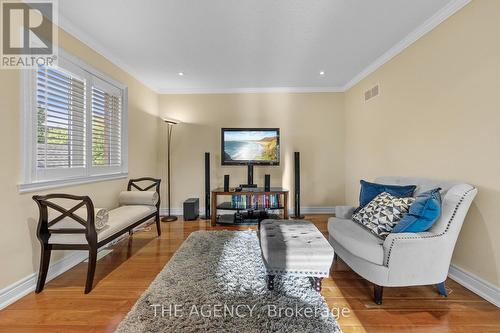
(267, 183)
(207, 186)
(226, 183)
(297, 214)
(250, 175)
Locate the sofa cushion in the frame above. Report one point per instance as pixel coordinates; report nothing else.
(119, 218)
(369, 191)
(423, 213)
(357, 239)
(382, 214)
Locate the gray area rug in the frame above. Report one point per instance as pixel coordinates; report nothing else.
(216, 282)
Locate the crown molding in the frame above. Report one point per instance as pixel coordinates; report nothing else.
(86, 39)
(252, 90)
(439, 17)
(426, 27)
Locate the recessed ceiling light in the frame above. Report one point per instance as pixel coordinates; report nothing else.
(322, 73)
(180, 73)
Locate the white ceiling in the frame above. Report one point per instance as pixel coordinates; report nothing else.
(233, 45)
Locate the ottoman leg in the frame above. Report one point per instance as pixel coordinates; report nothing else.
(270, 282)
(317, 283)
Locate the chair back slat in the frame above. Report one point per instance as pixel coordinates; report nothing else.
(65, 213)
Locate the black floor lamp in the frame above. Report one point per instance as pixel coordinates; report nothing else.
(170, 125)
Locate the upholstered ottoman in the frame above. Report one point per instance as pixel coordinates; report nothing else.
(294, 247)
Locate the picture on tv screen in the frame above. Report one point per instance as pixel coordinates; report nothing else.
(255, 145)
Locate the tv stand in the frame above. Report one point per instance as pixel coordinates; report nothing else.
(249, 183)
(254, 208)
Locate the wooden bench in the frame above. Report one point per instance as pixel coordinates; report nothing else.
(69, 231)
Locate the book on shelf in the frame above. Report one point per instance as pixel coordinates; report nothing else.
(262, 201)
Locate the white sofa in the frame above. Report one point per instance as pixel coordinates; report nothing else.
(404, 259)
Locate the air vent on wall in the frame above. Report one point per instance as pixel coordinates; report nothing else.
(370, 93)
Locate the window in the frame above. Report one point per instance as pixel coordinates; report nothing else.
(74, 126)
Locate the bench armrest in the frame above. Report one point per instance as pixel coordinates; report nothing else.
(45, 223)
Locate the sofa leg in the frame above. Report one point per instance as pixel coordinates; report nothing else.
(270, 282)
(317, 283)
(378, 294)
(442, 289)
(158, 224)
(44, 268)
(91, 269)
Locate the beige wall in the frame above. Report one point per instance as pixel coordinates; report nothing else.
(19, 248)
(438, 116)
(309, 123)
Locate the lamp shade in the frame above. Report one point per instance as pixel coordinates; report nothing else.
(171, 121)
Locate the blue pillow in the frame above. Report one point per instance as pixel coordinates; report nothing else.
(370, 190)
(423, 213)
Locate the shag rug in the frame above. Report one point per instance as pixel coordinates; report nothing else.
(216, 282)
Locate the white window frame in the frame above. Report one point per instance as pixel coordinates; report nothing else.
(31, 181)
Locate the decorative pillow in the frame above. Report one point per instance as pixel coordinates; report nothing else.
(130, 198)
(423, 213)
(383, 213)
(370, 190)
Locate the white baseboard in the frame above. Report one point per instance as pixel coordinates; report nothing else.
(315, 210)
(23, 287)
(475, 284)
(15, 291)
(303, 210)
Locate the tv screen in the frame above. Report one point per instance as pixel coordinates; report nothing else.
(259, 146)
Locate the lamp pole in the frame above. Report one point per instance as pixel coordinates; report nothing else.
(170, 126)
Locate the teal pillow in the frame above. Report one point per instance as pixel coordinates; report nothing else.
(370, 190)
(423, 213)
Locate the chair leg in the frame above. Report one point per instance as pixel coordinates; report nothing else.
(158, 224)
(317, 283)
(270, 282)
(378, 294)
(44, 268)
(442, 289)
(91, 269)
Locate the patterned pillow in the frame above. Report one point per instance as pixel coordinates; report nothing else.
(382, 214)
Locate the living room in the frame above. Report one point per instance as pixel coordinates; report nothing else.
(373, 209)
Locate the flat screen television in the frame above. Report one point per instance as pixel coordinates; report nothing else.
(257, 146)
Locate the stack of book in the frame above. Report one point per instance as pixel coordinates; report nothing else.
(264, 201)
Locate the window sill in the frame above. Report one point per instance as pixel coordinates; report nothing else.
(45, 185)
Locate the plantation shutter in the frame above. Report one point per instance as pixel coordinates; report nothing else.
(60, 120)
(106, 125)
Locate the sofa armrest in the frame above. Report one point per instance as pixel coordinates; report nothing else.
(423, 257)
(344, 212)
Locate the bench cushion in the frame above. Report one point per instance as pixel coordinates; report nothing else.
(356, 239)
(294, 247)
(119, 219)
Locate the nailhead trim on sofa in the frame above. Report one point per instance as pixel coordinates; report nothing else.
(432, 236)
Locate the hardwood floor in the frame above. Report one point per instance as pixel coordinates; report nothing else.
(123, 275)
